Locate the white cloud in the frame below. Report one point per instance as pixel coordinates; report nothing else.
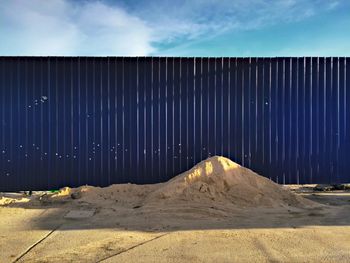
(58, 27)
(181, 21)
(333, 5)
(67, 27)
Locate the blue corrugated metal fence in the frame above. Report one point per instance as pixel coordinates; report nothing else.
(103, 120)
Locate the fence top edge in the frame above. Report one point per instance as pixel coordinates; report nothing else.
(170, 57)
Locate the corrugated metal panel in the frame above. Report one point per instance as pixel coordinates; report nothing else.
(98, 121)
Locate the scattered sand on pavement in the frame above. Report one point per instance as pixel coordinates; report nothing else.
(7, 199)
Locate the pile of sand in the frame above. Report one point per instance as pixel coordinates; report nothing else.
(215, 180)
(218, 179)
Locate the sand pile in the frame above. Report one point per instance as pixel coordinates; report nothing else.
(212, 181)
(120, 194)
(218, 179)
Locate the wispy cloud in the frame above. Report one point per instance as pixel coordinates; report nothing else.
(66, 27)
(195, 18)
(333, 5)
(60, 27)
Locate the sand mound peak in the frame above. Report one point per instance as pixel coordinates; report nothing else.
(218, 179)
(210, 168)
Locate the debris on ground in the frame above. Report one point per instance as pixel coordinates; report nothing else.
(342, 186)
(75, 195)
(324, 187)
(331, 187)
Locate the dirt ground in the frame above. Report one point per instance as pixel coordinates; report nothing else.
(68, 230)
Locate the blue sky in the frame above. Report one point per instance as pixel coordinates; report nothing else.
(175, 28)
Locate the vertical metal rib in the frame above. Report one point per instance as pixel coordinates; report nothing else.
(152, 117)
(108, 121)
(137, 119)
(229, 106)
(115, 114)
(166, 116)
(345, 100)
(173, 117)
(87, 170)
(101, 142)
(123, 115)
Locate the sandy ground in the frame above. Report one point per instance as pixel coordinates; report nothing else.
(126, 223)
